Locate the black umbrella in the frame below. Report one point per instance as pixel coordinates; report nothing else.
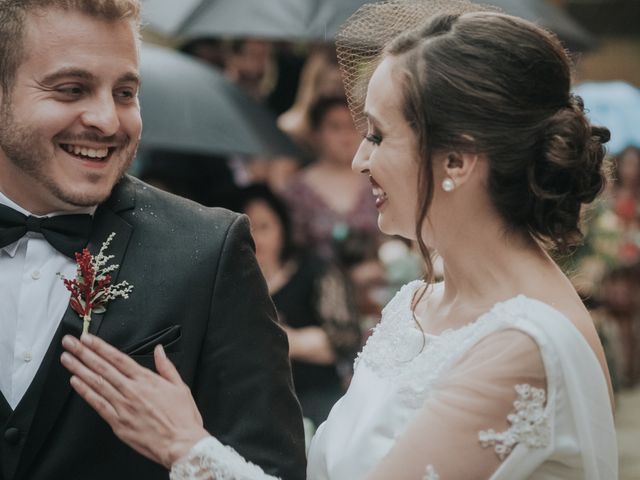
(316, 19)
(552, 18)
(189, 106)
(269, 19)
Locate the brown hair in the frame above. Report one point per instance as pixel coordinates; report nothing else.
(494, 84)
(13, 14)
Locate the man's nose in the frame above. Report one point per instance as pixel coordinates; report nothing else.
(102, 114)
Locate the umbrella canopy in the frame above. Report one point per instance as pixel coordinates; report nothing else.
(316, 19)
(272, 19)
(189, 106)
(616, 105)
(552, 18)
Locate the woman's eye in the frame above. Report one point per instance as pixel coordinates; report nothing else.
(373, 138)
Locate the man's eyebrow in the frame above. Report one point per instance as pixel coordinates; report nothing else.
(80, 74)
(67, 73)
(130, 77)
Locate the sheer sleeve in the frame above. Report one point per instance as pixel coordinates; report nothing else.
(211, 460)
(490, 401)
(337, 313)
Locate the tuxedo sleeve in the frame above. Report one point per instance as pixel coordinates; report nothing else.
(243, 387)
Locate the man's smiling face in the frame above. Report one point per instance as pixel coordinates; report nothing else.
(71, 124)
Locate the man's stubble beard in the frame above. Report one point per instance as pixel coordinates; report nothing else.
(23, 149)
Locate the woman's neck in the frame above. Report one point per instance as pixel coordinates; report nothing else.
(490, 266)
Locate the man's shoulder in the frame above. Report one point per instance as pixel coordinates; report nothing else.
(142, 203)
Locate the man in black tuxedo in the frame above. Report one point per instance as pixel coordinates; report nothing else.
(69, 127)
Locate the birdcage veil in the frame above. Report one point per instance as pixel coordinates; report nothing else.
(363, 37)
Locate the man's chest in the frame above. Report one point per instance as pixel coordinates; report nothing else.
(33, 300)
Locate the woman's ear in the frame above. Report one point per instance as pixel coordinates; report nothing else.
(459, 166)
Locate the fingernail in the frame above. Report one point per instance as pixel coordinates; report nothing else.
(68, 342)
(86, 338)
(65, 358)
(160, 349)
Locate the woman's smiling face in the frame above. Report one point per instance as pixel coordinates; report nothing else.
(389, 152)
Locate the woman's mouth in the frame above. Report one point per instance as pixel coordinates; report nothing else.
(379, 194)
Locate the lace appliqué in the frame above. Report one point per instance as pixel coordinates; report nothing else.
(431, 474)
(211, 460)
(529, 424)
(399, 351)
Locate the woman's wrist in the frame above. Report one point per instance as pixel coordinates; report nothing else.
(182, 445)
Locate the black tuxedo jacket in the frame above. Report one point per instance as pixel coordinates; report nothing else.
(198, 291)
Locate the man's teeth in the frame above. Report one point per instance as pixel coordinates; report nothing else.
(87, 152)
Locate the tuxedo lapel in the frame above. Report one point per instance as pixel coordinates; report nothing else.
(108, 222)
(51, 386)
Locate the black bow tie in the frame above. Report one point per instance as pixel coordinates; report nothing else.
(66, 233)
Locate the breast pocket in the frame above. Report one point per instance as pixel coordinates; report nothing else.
(169, 338)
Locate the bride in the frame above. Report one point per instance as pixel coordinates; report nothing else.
(475, 148)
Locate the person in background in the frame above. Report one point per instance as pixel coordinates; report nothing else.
(327, 200)
(249, 64)
(207, 49)
(320, 77)
(605, 268)
(313, 301)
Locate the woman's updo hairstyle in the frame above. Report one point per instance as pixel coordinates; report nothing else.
(497, 85)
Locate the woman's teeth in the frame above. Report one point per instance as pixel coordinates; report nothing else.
(379, 194)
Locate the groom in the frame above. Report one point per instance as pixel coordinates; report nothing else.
(69, 128)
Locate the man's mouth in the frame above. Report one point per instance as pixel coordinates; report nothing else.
(95, 154)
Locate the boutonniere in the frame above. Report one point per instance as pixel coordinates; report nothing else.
(91, 290)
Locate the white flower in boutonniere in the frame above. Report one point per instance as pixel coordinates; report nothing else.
(92, 289)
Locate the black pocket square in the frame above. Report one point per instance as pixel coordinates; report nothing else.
(168, 338)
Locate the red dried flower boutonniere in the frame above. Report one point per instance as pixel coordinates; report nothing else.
(92, 289)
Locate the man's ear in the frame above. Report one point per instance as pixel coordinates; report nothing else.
(460, 166)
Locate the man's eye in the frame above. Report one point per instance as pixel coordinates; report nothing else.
(373, 138)
(71, 90)
(126, 94)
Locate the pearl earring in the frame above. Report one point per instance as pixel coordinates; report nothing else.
(448, 184)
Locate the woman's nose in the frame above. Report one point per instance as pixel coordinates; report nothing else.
(360, 161)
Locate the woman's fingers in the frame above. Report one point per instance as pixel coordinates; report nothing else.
(95, 400)
(91, 367)
(92, 380)
(165, 367)
(124, 363)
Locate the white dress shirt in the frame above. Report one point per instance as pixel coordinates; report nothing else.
(33, 300)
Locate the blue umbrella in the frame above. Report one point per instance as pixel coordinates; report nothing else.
(616, 105)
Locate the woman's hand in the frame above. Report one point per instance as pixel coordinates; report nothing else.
(154, 414)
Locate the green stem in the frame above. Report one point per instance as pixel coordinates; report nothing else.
(85, 323)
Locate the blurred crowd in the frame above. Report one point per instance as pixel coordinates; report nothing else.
(328, 268)
(606, 268)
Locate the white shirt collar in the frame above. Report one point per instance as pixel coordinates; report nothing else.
(4, 200)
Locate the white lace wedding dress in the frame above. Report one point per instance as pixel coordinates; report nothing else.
(516, 394)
